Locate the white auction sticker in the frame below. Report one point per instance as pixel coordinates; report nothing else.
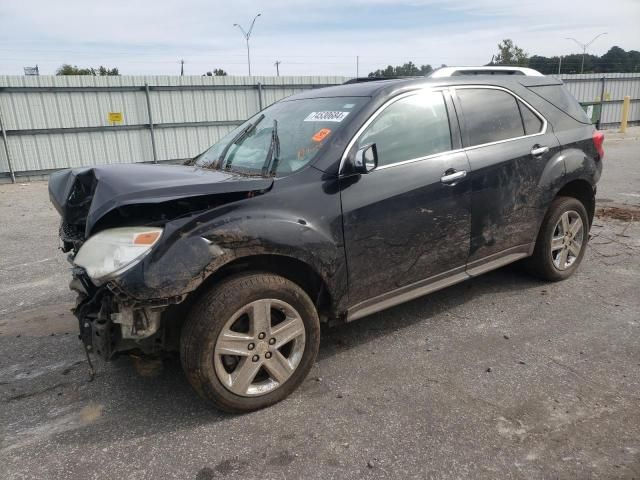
(326, 116)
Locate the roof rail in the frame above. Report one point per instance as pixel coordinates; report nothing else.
(377, 79)
(484, 70)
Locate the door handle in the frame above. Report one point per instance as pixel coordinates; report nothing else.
(538, 150)
(451, 176)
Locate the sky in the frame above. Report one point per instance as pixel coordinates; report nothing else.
(320, 37)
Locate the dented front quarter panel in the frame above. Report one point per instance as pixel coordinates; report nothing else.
(298, 218)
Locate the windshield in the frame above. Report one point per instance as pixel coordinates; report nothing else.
(302, 128)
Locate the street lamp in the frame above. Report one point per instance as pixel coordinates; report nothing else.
(246, 36)
(584, 47)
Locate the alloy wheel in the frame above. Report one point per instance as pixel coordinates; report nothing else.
(259, 348)
(567, 240)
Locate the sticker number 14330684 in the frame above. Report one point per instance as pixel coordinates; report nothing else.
(326, 116)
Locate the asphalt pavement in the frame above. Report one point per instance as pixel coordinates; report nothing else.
(503, 376)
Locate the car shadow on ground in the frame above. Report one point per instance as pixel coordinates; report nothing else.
(161, 400)
(343, 337)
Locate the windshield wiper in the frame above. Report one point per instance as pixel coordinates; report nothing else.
(239, 137)
(273, 155)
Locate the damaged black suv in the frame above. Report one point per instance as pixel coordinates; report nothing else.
(325, 207)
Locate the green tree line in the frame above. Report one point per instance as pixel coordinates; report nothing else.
(101, 71)
(508, 53)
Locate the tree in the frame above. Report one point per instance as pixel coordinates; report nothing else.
(106, 72)
(217, 72)
(510, 54)
(634, 60)
(101, 71)
(615, 60)
(406, 70)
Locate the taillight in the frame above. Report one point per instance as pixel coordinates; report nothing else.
(598, 141)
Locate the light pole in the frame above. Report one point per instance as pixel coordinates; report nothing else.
(584, 46)
(246, 36)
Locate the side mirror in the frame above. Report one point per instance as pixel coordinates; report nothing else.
(366, 158)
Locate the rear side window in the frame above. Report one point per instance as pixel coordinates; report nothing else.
(489, 115)
(532, 123)
(560, 97)
(410, 128)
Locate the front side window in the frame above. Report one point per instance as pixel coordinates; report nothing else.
(412, 127)
(489, 115)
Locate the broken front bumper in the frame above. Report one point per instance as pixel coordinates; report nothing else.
(111, 323)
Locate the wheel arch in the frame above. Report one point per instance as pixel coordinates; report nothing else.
(583, 191)
(291, 268)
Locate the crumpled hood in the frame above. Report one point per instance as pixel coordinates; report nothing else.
(84, 195)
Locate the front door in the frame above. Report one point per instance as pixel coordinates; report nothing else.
(409, 219)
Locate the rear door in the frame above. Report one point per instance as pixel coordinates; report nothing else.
(508, 146)
(408, 220)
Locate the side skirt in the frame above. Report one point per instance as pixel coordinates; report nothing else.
(437, 282)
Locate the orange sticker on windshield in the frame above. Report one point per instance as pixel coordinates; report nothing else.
(321, 134)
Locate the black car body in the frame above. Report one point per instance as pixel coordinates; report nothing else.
(451, 196)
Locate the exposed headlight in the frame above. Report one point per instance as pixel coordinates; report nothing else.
(112, 252)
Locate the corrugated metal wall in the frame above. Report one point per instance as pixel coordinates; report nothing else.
(588, 88)
(58, 122)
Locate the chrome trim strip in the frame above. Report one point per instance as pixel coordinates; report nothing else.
(406, 293)
(477, 267)
(436, 282)
(440, 89)
(493, 264)
(435, 155)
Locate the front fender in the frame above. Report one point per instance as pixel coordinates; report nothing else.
(194, 249)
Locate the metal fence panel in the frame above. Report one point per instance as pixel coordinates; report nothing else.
(588, 88)
(59, 122)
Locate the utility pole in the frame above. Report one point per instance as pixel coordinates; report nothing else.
(247, 36)
(559, 64)
(277, 64)
(584, 46)
(357, 66)
(182, 67)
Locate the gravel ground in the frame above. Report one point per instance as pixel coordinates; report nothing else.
(499, 377)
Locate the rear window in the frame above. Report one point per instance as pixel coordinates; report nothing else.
(489, 115)
(559, 97)
(532, 123)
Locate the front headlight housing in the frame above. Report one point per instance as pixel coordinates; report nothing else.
(111, 252)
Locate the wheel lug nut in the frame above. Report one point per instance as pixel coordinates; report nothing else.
(251, 346)
(267, 355)
(272, 341)
(261, 335)
(255, 358)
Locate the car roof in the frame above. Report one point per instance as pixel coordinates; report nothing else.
(388, 87)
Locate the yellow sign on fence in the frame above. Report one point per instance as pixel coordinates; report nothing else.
(115, 117)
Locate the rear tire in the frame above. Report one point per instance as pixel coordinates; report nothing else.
(232, 348)
(562, 240)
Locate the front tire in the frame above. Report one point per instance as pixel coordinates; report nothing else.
(562, 240)
(250, 341)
